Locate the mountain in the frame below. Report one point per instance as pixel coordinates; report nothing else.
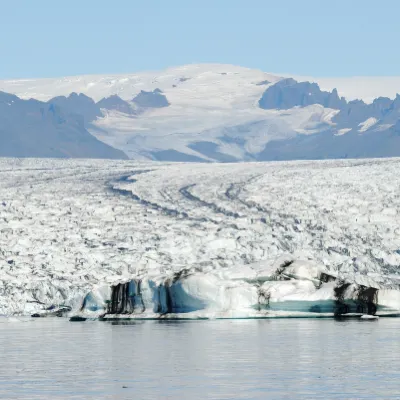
(78, 104)
(289, 93)
(358, 130)
(31, 128)
(115, 103)
(153, 99)
(224, 113)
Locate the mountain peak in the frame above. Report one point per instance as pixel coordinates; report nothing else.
(153, 99)
(114, 102)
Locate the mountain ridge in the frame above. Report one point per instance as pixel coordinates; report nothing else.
(31, 128)
(222, 113)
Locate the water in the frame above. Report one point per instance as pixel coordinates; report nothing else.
(248, 359)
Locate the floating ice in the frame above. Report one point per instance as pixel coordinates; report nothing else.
(367, 317)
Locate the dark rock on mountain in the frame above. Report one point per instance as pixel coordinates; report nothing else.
(385, 110)
(31, 128)
(116, 103)
(78, 104)
(289, 93)
(262, 83)
(381, 140)
(154, 99)
(353, 113)
(392, 113)
(381, 104)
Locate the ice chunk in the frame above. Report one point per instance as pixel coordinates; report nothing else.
(367, 317)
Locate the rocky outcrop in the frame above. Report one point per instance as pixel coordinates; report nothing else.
(78, 104)
(354, 116)
(289, 93)
(154, 99)
(117, 104)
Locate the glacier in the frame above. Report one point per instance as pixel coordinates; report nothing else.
(204, 113)
(193, 240)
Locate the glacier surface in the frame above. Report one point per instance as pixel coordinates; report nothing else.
(227, 240)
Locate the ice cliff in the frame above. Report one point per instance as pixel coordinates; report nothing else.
(284, 288)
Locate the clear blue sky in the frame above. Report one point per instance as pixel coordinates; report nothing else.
(42, 38)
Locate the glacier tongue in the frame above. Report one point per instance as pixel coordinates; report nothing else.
(70, 227)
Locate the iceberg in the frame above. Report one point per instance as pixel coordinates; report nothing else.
(52, 311)
(284, 288)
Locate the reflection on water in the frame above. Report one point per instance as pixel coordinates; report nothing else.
(242, 359)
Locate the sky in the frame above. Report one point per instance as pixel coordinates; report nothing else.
(42, 38)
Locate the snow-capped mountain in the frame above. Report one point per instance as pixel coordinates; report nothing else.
(225, 113)
(357, 129)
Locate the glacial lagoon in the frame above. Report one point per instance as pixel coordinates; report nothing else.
(53, 358)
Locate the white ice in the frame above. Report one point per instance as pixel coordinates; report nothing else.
(71, 226)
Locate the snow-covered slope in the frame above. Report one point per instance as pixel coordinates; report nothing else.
(211, 112)
(70, 225)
